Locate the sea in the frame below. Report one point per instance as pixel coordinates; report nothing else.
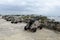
(57, 18)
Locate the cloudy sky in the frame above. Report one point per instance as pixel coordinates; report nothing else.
(44, 7)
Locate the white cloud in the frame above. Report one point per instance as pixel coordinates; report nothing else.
(42, 6)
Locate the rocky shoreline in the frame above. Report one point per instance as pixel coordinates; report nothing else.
(9, 31)
(47, 22)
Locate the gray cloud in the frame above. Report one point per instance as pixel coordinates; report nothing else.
(38, 6)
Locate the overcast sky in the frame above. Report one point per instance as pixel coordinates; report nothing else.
(44, 7)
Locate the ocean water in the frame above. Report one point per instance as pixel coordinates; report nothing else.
(55, 17)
